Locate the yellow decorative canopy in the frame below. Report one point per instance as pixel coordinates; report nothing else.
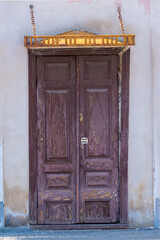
(79, 39)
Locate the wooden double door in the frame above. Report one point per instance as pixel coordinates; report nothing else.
(77, 139)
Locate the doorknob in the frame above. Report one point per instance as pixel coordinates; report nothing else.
(84, 140)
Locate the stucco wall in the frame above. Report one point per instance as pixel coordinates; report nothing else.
(155, 34)
(97, 16)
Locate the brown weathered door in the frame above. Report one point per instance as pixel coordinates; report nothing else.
(77, 102)
(98, 123)
(56, 139)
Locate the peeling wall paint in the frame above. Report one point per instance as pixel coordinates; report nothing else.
(140, 207)
(15, 199)
(16, 206)
(15, 219)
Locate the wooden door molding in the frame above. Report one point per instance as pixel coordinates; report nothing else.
(123, 168)
(123, 165)
(32, 140)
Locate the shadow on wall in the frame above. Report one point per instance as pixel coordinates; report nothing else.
(100, 26)
(94, 25)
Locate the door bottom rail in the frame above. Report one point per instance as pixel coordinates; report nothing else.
(80, 226)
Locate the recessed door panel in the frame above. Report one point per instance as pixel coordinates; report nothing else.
(97, 124)
(57, 124)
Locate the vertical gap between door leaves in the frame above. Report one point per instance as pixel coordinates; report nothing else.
(77, 139)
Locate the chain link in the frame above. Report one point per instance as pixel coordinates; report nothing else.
(119, 6)
(32, 20)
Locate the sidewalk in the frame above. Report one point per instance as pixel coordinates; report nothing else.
(28, 234)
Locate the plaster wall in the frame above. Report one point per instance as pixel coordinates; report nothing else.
(155, 33)
(1, 189)
(1, 173)
(54, 17)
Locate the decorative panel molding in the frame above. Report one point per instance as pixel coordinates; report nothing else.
(93, 73)
(97, 113)
(97, 210)
(97, 179)
(57, 71)
(58, 212)
(57, 104)
(55, 181)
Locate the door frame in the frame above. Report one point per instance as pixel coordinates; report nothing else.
(123, 78)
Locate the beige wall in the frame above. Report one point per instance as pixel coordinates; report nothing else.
(155, 34)
(97, 16)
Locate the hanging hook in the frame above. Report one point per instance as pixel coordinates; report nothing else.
(32, 20)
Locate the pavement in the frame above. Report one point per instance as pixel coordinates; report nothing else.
(29, 234)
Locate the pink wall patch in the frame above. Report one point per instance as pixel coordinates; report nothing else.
(117, 2)
(146, 4)
(86, 1)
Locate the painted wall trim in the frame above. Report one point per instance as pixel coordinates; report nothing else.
(1, 188)
(157, 213)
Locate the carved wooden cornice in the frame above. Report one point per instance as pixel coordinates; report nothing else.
(79, 39)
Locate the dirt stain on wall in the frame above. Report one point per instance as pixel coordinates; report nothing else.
(16, 206)
(139, 191)
(140, 208)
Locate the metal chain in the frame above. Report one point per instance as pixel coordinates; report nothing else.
(32, 20)
(119, 6)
